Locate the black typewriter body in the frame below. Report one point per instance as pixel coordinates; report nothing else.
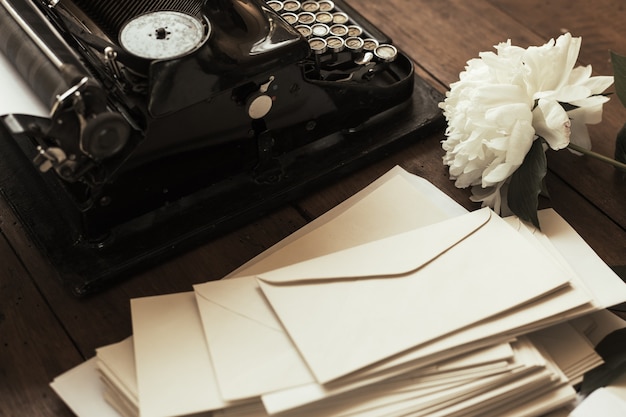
(171, 120)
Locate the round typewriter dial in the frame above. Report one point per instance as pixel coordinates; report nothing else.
(162, 35)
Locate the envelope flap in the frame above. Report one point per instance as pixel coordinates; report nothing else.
(241, 296)
(396, 255)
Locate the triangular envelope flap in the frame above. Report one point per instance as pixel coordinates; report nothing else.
(240, 295)
(396, 255)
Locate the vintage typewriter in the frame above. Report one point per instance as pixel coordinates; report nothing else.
(173, 120)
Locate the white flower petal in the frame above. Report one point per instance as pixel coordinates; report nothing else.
(552, 123)
(590, 114)
(599, 84)
(567, 94)
(580, 74)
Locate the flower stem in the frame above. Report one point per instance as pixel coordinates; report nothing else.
(596, 155)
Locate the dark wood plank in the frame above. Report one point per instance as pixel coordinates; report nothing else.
(442, 36)
(34, 347)
(598, 24)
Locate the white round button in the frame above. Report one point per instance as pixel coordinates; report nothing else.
(260, 106)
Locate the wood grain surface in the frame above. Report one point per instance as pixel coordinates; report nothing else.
(44, 330)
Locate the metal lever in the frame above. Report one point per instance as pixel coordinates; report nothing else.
(71, 92)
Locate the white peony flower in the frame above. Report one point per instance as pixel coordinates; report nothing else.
(505, 100)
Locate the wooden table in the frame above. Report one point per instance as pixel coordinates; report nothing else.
(45, 331)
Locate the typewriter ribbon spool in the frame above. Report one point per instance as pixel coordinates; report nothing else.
(162, 35)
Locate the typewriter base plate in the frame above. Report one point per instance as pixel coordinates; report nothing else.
(87, 268)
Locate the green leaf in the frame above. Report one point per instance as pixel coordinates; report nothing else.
(619, 72)
(527, 182)
(620, 145)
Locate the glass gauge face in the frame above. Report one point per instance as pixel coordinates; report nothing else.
(162, 35)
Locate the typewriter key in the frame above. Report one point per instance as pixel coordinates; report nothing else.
(335, 43)
(386, 53)
(306, 18)
(304, 30)
(310, 6)
(277, 6)
(318, 45)
(339, 30)
(326, 6)
(291, 6)
(320, 30)
(323, 17)
(291, 18)
(370, 44)
(354, 30)
(340, 18)
(354, 44)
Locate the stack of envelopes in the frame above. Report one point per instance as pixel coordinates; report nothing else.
(397, 302)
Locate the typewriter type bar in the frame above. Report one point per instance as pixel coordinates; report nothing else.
(158, 107)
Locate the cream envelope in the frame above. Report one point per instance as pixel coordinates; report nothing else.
(174, 372)
(353, 308)
(396, 202)
(251, 353)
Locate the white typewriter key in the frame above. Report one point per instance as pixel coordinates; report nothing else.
(324, 17)
(340, 18)
(320, 30)
(306, 18)
(354, 30)
(386, 53)
(335, 43)
(292, 6)
(326, 6)
(318, 45)
(310, 6)
(304, 30)
(291, 18)
(339, 30)
(354, 44)
(277, 6)
(370, 44)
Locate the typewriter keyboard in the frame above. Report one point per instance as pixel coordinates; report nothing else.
(335, 31)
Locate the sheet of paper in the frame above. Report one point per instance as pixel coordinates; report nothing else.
(174, 371)
(82, 391)
(569, 248)
(17, 96)
(601, 402)
(117, 363)
(571, 351)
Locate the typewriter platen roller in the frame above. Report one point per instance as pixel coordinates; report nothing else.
(171, 120)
